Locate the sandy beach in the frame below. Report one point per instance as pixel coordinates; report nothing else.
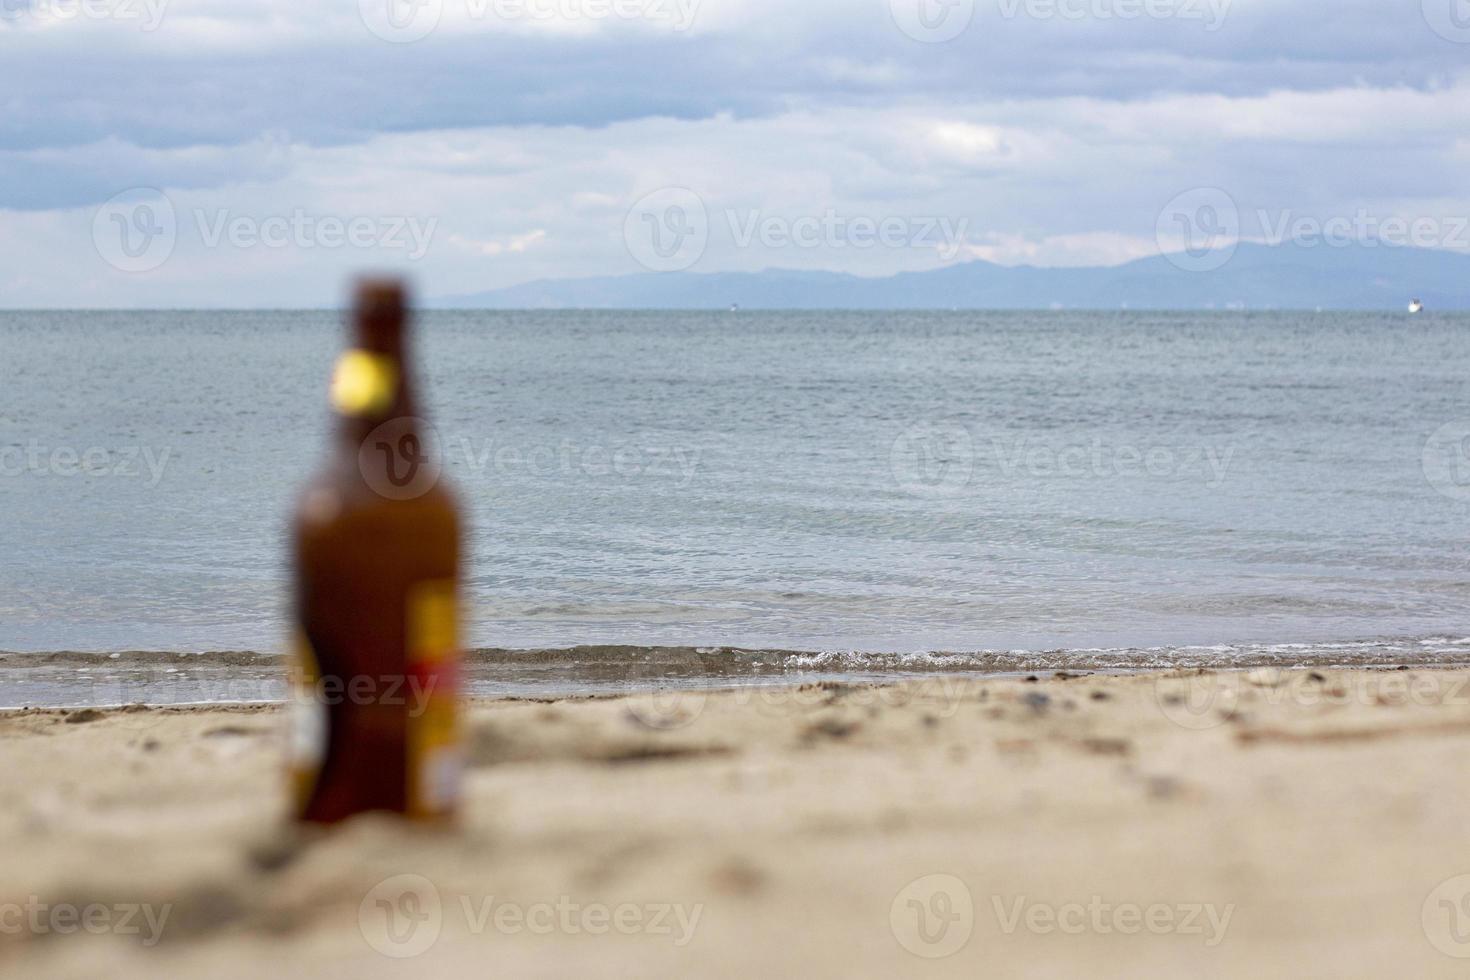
(1307, 822)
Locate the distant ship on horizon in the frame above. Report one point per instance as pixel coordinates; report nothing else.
(1415, 306)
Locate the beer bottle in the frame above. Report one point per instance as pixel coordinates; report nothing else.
(377, 568)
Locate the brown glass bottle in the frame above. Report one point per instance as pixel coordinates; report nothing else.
(377, 571)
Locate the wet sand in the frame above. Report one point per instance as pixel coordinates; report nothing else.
(1275, 823)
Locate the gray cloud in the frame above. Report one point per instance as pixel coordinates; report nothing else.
(1056, 139)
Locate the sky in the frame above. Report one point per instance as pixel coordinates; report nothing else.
(249, 153)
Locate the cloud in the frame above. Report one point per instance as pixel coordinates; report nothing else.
(222, 73)
(525, 139)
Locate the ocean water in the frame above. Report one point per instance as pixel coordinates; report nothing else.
(871, 488)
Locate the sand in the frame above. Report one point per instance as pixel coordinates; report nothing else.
(1273, 824)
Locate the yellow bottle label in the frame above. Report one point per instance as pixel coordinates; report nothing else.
(434, 757)
(364, 383)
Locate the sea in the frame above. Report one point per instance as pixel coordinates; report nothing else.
(732, 497)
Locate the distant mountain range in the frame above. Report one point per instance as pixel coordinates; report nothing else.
(1256, 277)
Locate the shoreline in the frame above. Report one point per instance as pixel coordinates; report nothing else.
(1353, 646)
(87, 679)
(1128, 824)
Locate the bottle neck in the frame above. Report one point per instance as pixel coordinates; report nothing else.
(373, 384)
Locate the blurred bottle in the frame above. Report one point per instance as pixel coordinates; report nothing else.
(377, 568)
